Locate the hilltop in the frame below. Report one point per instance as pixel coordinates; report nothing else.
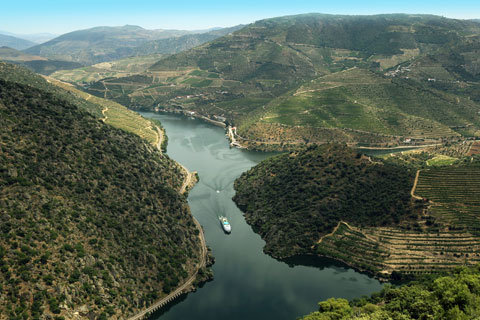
(68, 245)
(102, 44)
(301, 66)
(382, 216)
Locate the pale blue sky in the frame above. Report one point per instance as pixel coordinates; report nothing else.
(61, 16)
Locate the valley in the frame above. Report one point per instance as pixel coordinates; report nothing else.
(287, 89)
(344, 152)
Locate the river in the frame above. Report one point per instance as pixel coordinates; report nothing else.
(248, 284)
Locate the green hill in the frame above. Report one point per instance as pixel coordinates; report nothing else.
(67, 243)
(10, 54)
(295, 199)
(249, 77)
(365, 101)
(451, 296)
(369, 213)
(102, 44)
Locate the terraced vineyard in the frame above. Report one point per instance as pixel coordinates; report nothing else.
(446, 235)
(474, 149)
(362, 100)
(452, 186)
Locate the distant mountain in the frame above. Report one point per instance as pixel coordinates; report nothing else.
(14, 42)
(37, 38)
(109, 43)
(36, 63)
(178, 44)
(301, 78)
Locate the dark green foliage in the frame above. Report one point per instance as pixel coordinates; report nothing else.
(293, 199)
(82, 204)
(455, 296)
(18, 74)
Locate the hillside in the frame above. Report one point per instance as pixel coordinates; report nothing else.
(295, 199)
(369, 213)
(14, 42)
(450, 296)
(10, 54)
(365, 101)
(36, 38)
(108, 111)
(255, 75)
(35, 63)
(111, 69)
(102, 44)
(67, 243)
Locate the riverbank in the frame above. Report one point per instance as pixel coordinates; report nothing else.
(206, 259)
(248, 283)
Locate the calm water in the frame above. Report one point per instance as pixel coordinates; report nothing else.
(248, 284)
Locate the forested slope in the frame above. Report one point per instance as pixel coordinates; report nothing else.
(91, 218)
(294, 199)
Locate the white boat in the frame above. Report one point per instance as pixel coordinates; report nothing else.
(225, 224)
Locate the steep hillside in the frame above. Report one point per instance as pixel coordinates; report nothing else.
(14, 42)
(371, 214)
(18, 74)
(365, 101)
(102, 44)
(108, 111)
(251, 75)
(295, 199)
(91, 218)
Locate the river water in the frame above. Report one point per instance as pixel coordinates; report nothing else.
(248, 284)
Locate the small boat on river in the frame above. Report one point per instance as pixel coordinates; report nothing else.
(225, 224)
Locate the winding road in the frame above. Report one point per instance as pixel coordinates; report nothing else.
(180, 290)
(188, 283)
(159, 142)
(412, 192)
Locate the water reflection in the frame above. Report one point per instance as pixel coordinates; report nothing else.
(248, 284)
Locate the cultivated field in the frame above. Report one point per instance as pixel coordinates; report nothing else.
(446, 235)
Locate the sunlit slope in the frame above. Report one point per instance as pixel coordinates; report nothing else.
(273, 55)
(363, 100)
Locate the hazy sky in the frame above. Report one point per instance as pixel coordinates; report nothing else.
(61, 16)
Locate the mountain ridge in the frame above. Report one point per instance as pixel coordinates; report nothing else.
(244, 74)
(104, 43)
(15, 42)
